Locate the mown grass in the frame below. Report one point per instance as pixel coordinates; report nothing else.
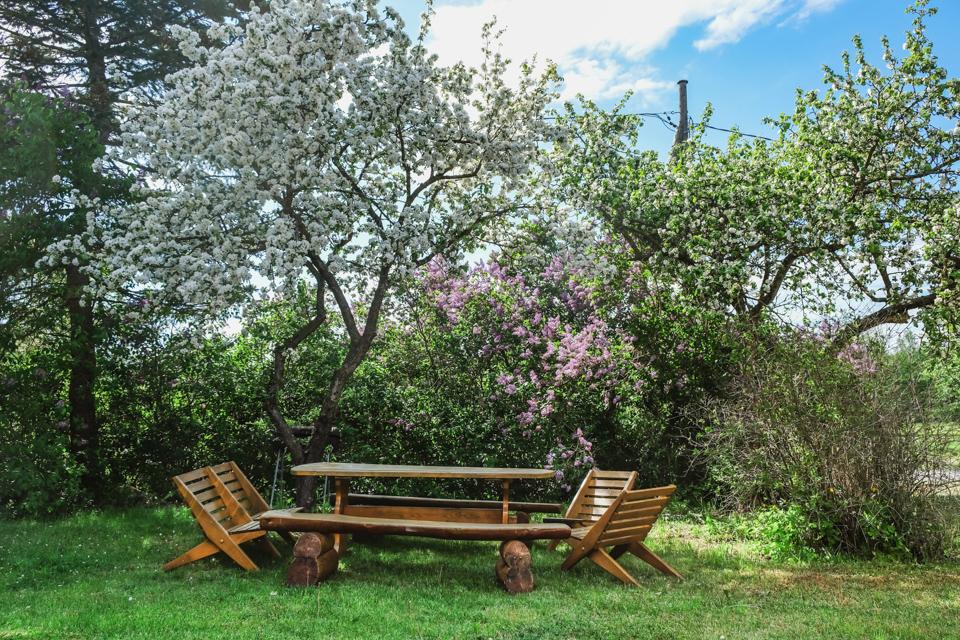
(98, 576)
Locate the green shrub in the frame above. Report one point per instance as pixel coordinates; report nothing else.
(164, 407)
(843, 447)
(781, 534)
(37, 476)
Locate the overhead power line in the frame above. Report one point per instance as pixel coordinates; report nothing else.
(663, 117)
(748, 135)
(667, 121)
(683, 123)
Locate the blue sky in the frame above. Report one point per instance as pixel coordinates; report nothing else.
(745, 56)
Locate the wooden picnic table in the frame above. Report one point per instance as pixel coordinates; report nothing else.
(341, 472)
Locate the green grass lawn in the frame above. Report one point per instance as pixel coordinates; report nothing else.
(98, 576)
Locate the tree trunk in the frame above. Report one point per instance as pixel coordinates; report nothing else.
(360, 342)
(327, 420)
(98, 88)
(84, 431)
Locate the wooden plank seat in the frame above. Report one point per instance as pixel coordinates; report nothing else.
(622, 528)
(346, 524)
(227, 508)
(450, 503)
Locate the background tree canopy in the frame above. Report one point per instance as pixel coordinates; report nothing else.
(855, 202)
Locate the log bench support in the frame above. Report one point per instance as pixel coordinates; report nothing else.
(513, 568)
(314, 559)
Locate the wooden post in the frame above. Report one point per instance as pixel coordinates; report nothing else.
(683, 127)
(513, 567)
(314, 558)
(506, 502)
(340, 506)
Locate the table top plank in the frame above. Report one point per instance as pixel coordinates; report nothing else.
(363, 470)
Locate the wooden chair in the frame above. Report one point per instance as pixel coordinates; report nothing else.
(596, 493)
(227, 508)
(624, 526)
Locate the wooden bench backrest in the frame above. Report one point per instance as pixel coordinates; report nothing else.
(222, 492)
(633, 514)
(597, 492)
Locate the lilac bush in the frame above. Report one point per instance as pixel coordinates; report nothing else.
(523, 360)
(550, 343)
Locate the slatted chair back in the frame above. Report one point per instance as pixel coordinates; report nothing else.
(218, 494)
(631, 516)
(597, 492)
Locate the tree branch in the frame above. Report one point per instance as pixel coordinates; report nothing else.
(891, 313)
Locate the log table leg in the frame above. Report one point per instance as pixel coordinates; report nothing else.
(513, 567)
(314, 558)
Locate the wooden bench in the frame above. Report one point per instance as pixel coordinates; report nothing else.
(227, 508)
(441, 509)
(451, 503)
(336, 523)
(512, 569)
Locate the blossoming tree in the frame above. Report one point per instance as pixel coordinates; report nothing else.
(321, 143)
(854, 202)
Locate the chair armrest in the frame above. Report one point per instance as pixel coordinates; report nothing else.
(573, 522)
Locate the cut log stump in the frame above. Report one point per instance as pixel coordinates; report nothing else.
(513, 567)
(312, 545)
(314, 559)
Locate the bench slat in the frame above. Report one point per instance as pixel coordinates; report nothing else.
(621, 475)
(596, 492)
(607, 484)
(190, 476)
(335, 523)
(653, 492)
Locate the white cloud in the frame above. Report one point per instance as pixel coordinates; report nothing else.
(815, 6)
(600, 45)
(731, 24)
(603, 78)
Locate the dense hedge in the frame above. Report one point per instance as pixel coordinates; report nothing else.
(518, 365)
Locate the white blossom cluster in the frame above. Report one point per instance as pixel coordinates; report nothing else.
(317, 139)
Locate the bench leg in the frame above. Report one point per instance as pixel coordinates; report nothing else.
(286, 535)
(203, 550)
(233, 550)
(577, 553)
(641, 551)
(606, 562)
(341, 502)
